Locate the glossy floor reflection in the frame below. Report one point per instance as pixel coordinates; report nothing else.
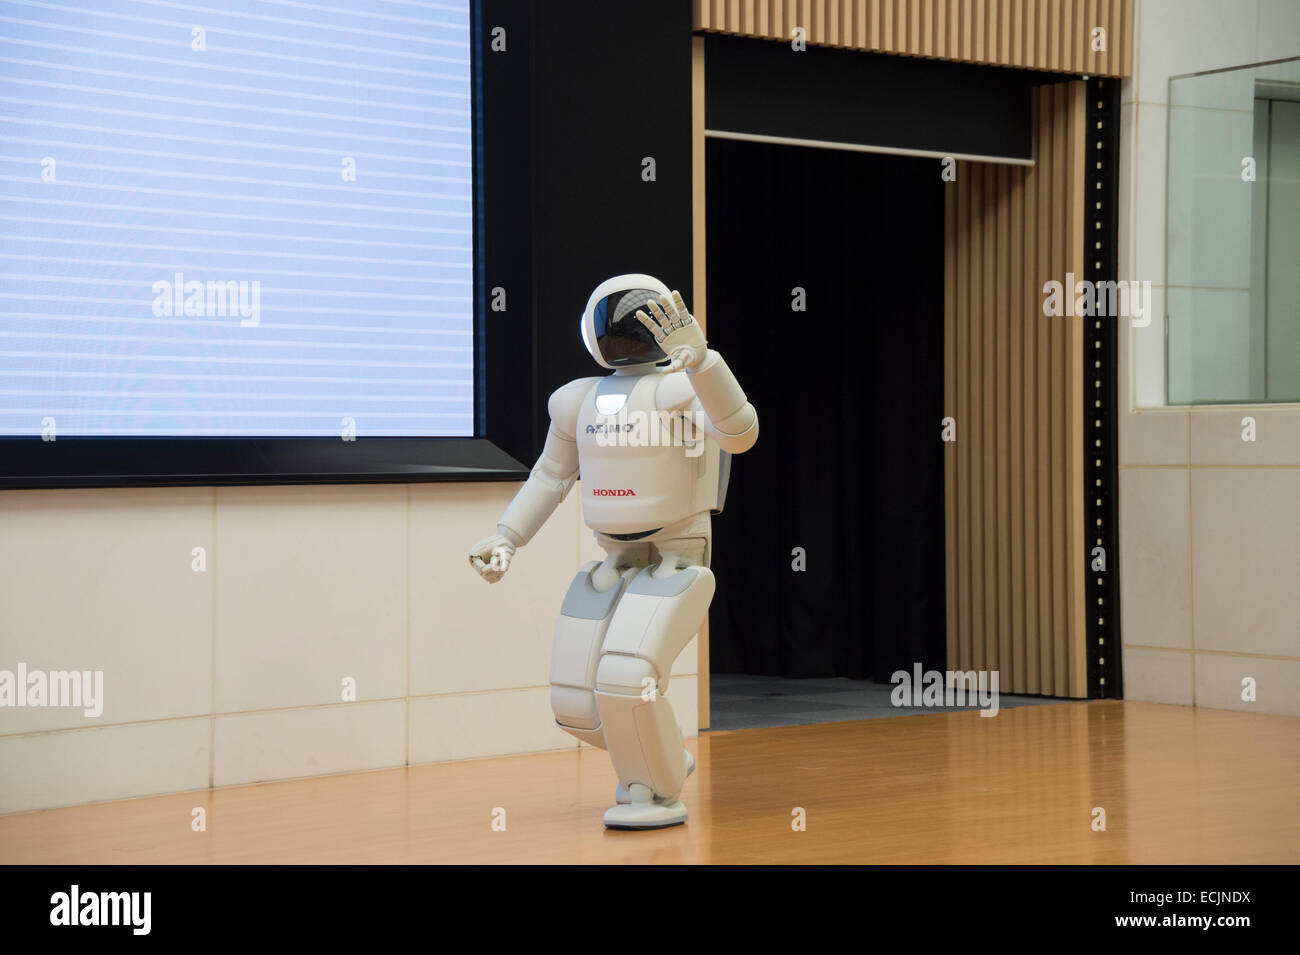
(1177, 785)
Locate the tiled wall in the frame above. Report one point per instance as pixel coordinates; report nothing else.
(1209, 523)
(233, 673)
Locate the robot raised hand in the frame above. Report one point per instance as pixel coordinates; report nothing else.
(675, 331)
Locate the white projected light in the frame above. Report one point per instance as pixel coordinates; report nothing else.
(240, 218)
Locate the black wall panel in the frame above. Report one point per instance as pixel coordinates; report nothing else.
(610, 84)
(613, 86)
(765, 87)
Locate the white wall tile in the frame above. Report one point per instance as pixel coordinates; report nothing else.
(1216, 435)
(1158, 676)
(1219, 683)
(1147, 353)
(311, 588)
(1246, 560)
(69, 768)
(467, 634)
(102, 580)
(1153, 437)
(1191, 36)
(472, 725)
(1146, 437)
(1279, 30)
(1149, 193)
(285, 744)
(1153, 565)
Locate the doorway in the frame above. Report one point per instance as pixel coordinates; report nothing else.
(825, 293)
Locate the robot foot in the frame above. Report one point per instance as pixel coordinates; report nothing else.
(645, 811)
(623, 797)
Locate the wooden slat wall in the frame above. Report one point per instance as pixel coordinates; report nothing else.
(1016, 552)
(1034, 34)
(700, 308)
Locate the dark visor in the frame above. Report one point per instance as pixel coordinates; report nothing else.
(620, 336)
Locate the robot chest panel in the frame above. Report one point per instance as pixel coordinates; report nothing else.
(637, 472)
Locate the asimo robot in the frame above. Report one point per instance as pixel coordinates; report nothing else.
(652, 443)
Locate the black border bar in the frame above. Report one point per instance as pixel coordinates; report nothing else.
(1100, 392)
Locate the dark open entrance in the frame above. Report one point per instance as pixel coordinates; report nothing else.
(848, 466)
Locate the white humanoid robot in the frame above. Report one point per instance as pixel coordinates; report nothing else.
(652, 445)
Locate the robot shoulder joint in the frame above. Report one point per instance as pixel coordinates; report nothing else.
(565, 403)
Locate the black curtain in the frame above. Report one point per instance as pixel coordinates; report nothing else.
(848, 464)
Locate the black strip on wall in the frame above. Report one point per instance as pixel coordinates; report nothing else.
(504, 288)
(1100, 393)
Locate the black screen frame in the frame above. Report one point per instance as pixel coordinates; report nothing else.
(505, 352)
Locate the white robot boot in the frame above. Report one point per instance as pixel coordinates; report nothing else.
(654, 620)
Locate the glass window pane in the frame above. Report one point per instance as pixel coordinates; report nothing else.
(1233, 254)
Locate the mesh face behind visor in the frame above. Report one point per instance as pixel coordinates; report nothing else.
(620, 336)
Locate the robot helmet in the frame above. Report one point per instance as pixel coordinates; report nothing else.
(611, 331)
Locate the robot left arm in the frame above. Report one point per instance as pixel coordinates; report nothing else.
(729, 418)
(547, 486)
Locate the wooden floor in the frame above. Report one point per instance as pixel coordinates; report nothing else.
(1177, 784)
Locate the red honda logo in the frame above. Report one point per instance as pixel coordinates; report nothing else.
(612, 492)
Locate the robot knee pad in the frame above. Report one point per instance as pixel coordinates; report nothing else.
(641, 733)
(623, 675)
(574, 707)
(575, 713)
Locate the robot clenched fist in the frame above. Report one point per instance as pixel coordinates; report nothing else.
(648, 494)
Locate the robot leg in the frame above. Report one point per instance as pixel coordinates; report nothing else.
(575, 654)
(654, 620)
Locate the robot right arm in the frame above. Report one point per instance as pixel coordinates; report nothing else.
(548, 484)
